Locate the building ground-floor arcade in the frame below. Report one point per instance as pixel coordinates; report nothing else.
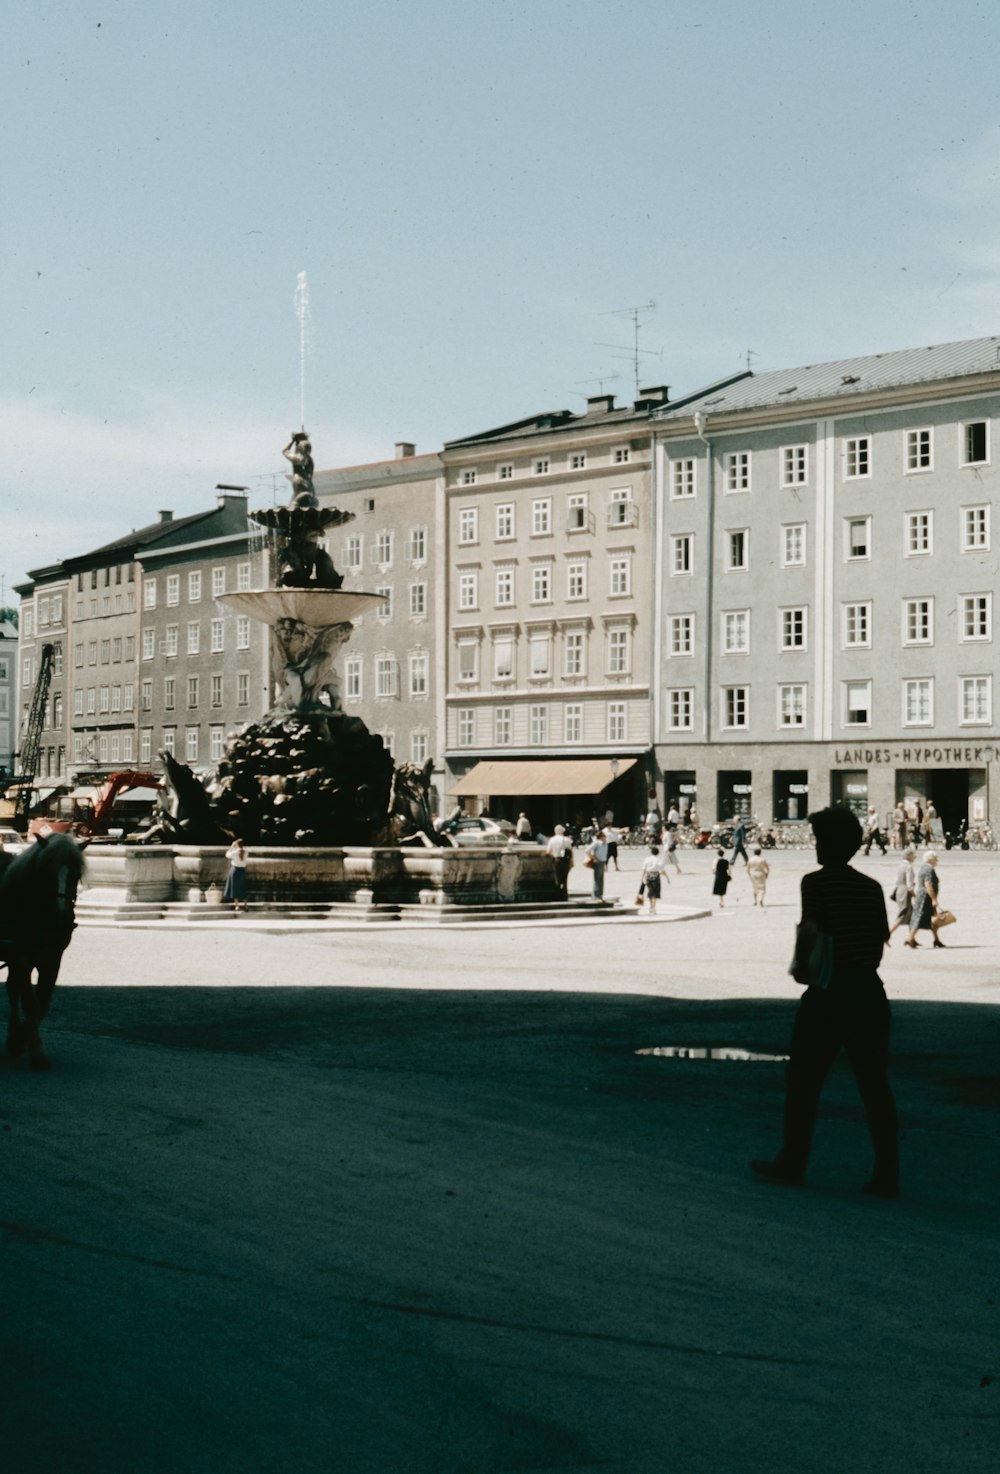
(552, 790)
(778, 782)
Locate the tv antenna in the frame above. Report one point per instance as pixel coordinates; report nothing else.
(600, 382)
(633, 354)
(750, 354)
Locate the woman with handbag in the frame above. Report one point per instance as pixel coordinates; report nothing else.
(925, 915)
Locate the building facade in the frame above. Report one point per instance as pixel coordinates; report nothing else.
(44, 620)
(824, 588)
(8, 697)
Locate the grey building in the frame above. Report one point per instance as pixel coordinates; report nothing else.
(8, 696)
(824, 584)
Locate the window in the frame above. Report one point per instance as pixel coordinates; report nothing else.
(194, 637)
(382, 551)
(736, 631)
(466, 721)
(541, 516)
(242, 688)
(352, 677)
(171, 634)
(468, 525)
(502, 726)
(919, 450)
(103, 754)
(918, 702)
(975, 529)
(192, 690)
(505, 522)
(77, 702)
(542, 466)
(793, 545)
(622, 511)
(386, 676)
(103, 700)
(173, 588)
(148, 644)
(792, 706)
(574, 650)
(242, 632)
(538, 725)
(91, 701)
(191, 744)
(616, 721)
(145, 745)
(216, 743)
(793, 628)
(217, 636)
(735, 706)
(857, 703)
(976, 612)
(576, 580)
(77, 658)
(146, 695)
(116, 648)
(857, 625)
(418, 748)
(619, 652)
(418, 674)
(384, 609)
(918, 621)
(218, 581)
(216, 690)
(682, 553)
(130, 647)
(504, 586)
(503, 659)
(148, 593)
(975, 703)
(468, 660)
(469, 476)
(975, 443)
(680, 634)
(858, 538)
(577, 519)
(194, 588)
(738, 550)
(919, 533)
(353, 550)
(418, 600)
(857, 458)
(169, 693)
(105, 652)
(468, 590)
(573, 723)
(794, 465)
(242, 577)
(578, 461)
(680, 709)
(505, 472)
(738, 471)
(540, 647)
(621, 455)
(541, 583)
(620, 576)
(682, 478)
(417, 546)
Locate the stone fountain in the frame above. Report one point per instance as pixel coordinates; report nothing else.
(327, 816)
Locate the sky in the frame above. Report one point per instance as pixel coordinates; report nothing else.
(479, 192)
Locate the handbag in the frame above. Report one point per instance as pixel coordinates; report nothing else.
(812, 960)
(588, 861)
(944, 918)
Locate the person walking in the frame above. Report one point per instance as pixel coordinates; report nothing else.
(652, 876)
(670, 849)
(925, 901)
(522, 829)
(560, 847)
(899, 826)
(844, 1005)
(598, 851)
(872, 831)
(613, 836)
(758, 870)
(740, 841)
(236, 880)
(723, 875)
(903, 890)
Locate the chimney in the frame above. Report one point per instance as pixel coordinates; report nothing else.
(600, 404)
(651, 398)
(166, 516)
(405, 449)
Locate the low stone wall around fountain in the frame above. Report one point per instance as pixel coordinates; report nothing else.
(121, 876)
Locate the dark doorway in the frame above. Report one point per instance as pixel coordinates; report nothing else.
(949, 793)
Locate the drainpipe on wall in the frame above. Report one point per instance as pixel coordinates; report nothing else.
(699, 425)
(656, 533)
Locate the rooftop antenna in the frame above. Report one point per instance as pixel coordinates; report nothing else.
(634, 354)
(751, 353)
(302, 313)
(600, 382)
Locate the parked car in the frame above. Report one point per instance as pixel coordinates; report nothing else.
(469, 830)
(11, 842)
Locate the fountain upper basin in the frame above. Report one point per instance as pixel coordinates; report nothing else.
(317, 608)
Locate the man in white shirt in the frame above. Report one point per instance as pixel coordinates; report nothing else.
(561, 850)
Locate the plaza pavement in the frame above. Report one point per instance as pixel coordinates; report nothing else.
(412, 1201)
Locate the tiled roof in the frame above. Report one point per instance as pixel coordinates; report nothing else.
(845, 378)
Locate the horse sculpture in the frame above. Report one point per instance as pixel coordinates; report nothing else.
(37, 916)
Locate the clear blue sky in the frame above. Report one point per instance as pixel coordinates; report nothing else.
(471, 188)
